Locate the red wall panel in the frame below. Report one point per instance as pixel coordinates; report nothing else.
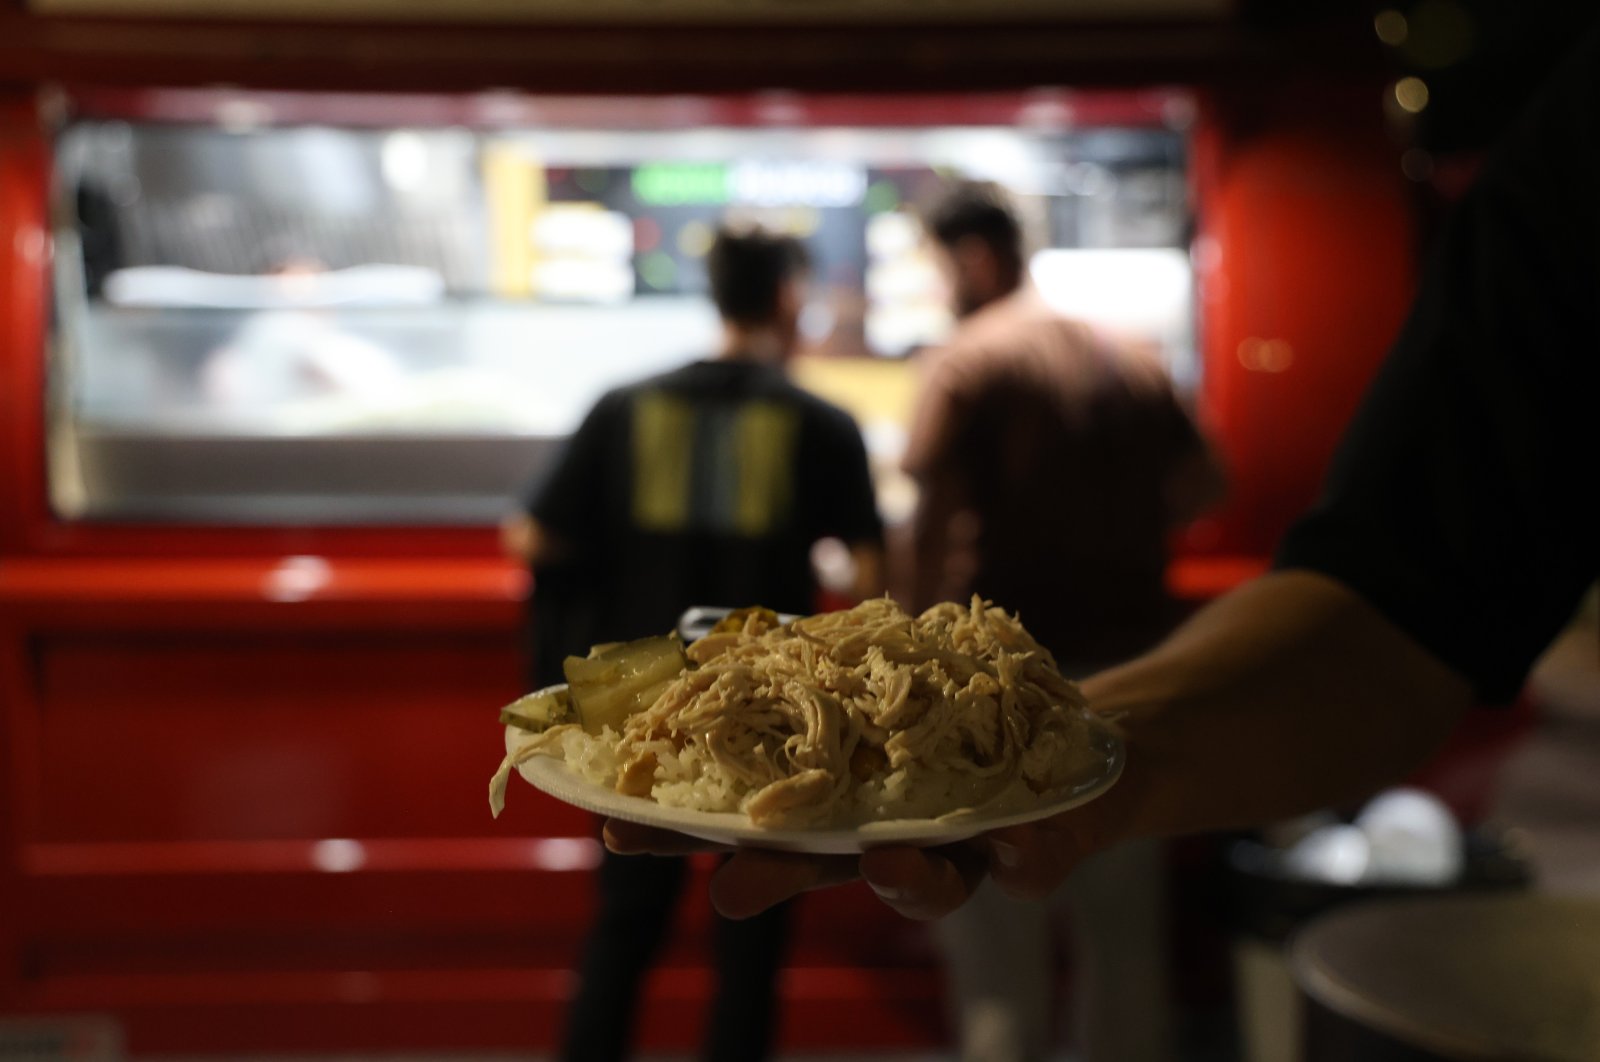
(24, 271)
(199, 735)
(254, 824)
(1305, 269)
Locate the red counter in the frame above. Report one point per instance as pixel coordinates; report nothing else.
(249, 804)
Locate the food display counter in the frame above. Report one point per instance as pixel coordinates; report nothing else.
(280, 310)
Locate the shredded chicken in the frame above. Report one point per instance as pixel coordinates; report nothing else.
(849, 716)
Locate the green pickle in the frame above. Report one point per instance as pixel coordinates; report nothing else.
(538, 711)
(620, 680)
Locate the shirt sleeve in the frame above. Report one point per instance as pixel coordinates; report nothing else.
(1462, 502)
(844, 501)
(569, 498)
(1172, 427)
(938, 416)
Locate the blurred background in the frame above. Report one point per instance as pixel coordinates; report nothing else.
(298, 297)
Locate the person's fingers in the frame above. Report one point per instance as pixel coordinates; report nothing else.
(754, 879)
(924, 883)
(630, 838)
(1028, 862)
(1031, 861)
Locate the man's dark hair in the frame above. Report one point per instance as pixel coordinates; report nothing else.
(980, 209)
(747, 268)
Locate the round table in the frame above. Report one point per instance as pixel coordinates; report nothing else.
(1453, 977)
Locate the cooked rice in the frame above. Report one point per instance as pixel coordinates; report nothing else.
(843, 718)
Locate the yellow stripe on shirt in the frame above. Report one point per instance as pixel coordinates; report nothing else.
(764, 438)
(663, 452)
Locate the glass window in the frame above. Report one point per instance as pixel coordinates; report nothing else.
(287, 321)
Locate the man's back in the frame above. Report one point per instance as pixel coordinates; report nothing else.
(706, 485)
(1048, 453)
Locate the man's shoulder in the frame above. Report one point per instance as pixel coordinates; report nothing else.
(680, 377)
(1014, 331)
(613, 402)
(761, 384)
(771, 384)
(621, 396)
(818, 409)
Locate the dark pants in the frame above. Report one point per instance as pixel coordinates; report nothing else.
(638, 895)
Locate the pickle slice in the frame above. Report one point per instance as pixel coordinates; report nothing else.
(627, 678)
(538, 711)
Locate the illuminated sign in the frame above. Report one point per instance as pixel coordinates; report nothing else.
(760, 183)
(681, 183)
(815, 184)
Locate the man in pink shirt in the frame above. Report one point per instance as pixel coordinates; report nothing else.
(1052, 465)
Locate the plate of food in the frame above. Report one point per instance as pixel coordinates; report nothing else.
(831, 733)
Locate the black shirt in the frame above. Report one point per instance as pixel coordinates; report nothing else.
(1464, 502)
(704, 486)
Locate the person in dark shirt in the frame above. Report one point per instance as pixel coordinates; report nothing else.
(1459, 529)
(708, 485)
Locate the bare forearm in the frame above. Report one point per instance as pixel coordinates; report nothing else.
(1287, 695)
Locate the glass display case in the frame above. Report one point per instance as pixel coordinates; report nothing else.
(263, 316)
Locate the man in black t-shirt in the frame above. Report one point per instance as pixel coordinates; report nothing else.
(708, 485)
(1459, 529)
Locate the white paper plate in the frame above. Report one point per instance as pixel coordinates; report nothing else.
(552, 776)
